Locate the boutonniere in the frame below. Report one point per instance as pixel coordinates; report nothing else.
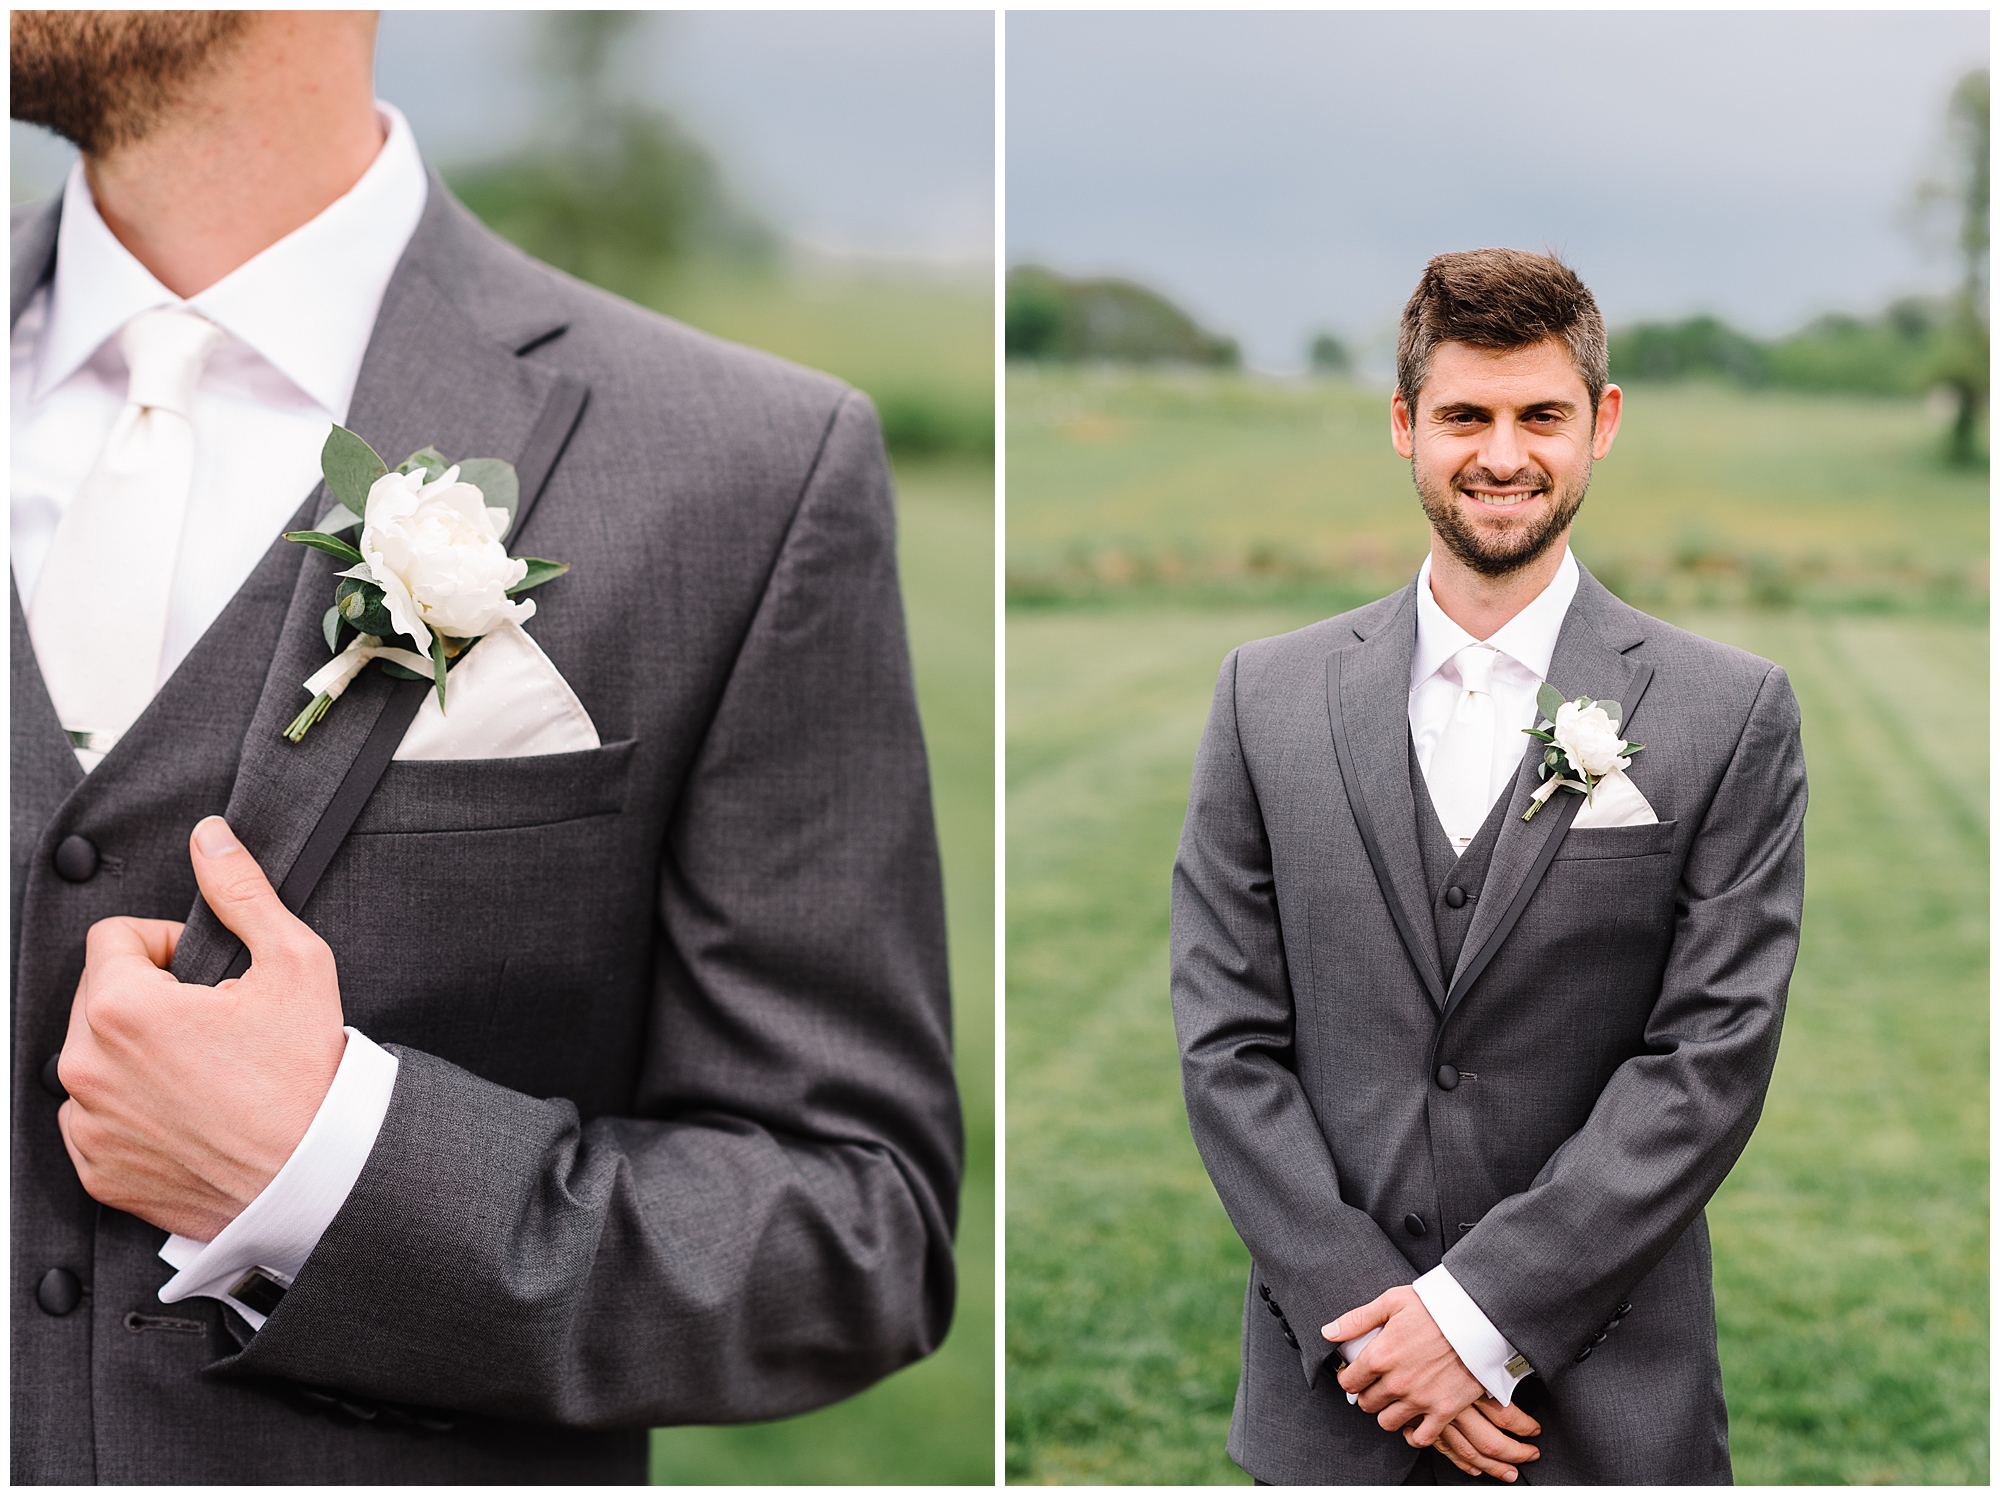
(1583, 745)
(428, 566)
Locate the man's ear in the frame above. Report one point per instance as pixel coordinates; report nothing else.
(1400, 418)
(1610, 406)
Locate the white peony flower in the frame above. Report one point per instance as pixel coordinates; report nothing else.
(434, 549)
(1590, 738)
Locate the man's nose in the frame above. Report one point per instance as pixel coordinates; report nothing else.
(1504, 453)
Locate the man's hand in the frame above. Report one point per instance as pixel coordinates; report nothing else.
(1475, 1442)
(185, 1101)
(1408, 1374)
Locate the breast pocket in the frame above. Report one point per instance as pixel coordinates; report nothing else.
(1609, 842)
(497, 794)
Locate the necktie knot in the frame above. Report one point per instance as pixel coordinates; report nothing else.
(165, 350)
(1475, 667)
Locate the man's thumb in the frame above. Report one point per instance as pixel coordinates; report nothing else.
(237, 890)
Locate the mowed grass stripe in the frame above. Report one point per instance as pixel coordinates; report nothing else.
(1857, 1216)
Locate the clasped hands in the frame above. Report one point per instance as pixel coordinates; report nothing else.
(185, 1101)
(1412, 1380)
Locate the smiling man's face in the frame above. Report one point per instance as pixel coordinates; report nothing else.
(1500, 446)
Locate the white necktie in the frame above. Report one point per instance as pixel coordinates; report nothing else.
(99, 616)
(1461, 773)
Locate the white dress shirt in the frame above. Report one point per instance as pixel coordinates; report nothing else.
(1527, 642)
(297, 319)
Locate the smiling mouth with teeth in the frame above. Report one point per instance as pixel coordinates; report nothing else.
(1502, 500)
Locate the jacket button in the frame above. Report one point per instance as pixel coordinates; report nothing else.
(1455, 896)
(1414, 1224)
(51, 1081)
(58, 1292)
(1584, 1354)
(76, 859)
(1447, 1078)
(1621, 1311)
(1264, 1291)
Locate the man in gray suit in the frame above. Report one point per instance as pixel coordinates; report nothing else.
(666, 1130)
(1464, 1068)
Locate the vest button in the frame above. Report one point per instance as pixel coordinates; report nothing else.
(1447, 1078)
(51, 1081)
(1414, 1224)
(76, 859)
(58, 1292)
(1455, 896)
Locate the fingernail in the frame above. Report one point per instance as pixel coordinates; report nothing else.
(1326, 1331)
(215, 838)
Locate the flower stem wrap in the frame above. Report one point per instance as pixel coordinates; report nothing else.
(337, 674)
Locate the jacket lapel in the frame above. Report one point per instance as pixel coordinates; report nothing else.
(1368, 695)
(441, 369)
(1590, 659)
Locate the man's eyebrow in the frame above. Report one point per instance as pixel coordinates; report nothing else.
(1472, 408)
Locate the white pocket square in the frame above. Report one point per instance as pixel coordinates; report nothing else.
(1615, 802)
(506, 699)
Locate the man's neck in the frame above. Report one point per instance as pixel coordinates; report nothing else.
(1483, 605)
(264, 145)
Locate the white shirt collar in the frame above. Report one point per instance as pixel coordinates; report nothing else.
(1529, 637)
(306, 304)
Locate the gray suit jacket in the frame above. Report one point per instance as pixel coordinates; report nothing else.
(1614, 1011)
(675, 1137)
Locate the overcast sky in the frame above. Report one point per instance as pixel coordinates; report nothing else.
(1281, 171)
(852, 131)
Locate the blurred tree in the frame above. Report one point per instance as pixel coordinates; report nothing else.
(1328, 356)
(1676, 350)
(1964, 366)
(614, 191)
(1050, 316)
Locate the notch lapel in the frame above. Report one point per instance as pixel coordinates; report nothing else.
(1590, 659)
(434, 374)
(1368, 696)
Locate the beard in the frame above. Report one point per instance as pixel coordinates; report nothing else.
(103, 79)
(1497, 552)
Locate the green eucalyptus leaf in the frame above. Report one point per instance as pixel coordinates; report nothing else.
(401, 672)
(539, 571)
(497, 483)
(351, 468)
(330, 626)
(1548, 700)
(427, 458)
(332, 545)
(1614, 711)
(438, 665)
(338, 518)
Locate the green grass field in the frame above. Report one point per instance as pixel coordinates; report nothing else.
(1851, 1240)
(1253, 490)
(931, 1423)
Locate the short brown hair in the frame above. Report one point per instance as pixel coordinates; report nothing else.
(1500, 299)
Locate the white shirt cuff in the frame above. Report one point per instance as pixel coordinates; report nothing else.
(1483, 1349)
(278, 1230)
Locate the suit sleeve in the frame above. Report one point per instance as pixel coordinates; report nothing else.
(1550, 1265)
(773, 1230)
(1232, 994)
